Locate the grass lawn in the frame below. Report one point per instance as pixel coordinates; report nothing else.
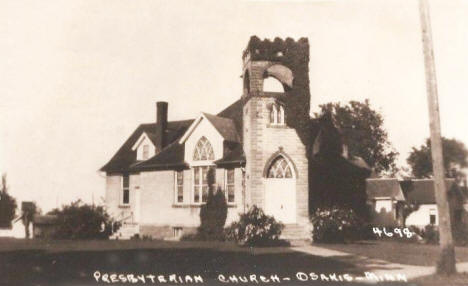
(42, 262)
(36, 262)
(454, 280)
(398, 252)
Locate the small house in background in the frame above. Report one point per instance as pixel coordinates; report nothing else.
(385, 197)
(15, 231)
(44, 226)
(422, 192)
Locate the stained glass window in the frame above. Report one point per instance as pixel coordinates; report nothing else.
(203, 150)
(280, 168)
(200, 183)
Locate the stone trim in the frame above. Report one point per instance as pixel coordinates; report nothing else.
(273, 157)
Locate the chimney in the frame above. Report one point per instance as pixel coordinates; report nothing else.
(161, 125)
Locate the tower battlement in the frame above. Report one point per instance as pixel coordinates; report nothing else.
(276, 50)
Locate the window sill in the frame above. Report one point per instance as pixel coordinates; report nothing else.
(126, 206)
(281, 126)
(229, 205)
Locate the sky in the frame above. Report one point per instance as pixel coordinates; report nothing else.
(77, 77)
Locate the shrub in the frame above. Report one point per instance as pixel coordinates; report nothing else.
(190, 237)
(417, 234)
(460, 229)
(7, 205)
(336, 225)
(144, 237)
(83, 221)
(213, 217)
(213, 214)
(255, 228)
(430, 234)
(460, 234)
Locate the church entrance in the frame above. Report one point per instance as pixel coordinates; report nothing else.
(280, 191)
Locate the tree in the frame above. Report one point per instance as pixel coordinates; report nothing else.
(406, 208)
(82, 221)
(214, 213)
(454, 154)
(7, 205)
(362, 131)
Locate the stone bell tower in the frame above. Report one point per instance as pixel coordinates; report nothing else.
(275, 130)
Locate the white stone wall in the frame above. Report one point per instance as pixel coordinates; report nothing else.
(114, 198)
(157, 199)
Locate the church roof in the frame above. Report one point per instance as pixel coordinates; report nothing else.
(125, 157)
(228, 122)
(234, 157)
(225, 127)
(171, 157)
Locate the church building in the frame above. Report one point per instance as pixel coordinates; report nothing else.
(258, 148)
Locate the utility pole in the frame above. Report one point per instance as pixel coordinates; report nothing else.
(446, 262)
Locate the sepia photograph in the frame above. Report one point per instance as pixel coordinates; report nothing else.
(235, 142)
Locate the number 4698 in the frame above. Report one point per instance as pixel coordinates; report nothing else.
(391, 232)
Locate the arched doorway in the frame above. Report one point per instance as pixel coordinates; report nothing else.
(280, 190)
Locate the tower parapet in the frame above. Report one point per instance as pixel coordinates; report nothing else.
(276, 50)
(288, 62)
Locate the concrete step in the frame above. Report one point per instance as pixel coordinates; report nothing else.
(295, 232)
(126, 231)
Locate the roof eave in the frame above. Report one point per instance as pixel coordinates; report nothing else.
(160, 167)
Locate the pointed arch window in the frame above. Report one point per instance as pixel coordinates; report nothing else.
(277, 114)
(203, 150)
(280, 169)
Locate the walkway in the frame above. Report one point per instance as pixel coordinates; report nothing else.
(376, 266)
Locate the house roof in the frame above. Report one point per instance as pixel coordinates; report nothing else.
(44, 219)
(423, 191)
(384, 188)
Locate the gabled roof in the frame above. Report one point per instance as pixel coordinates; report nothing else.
(140, 141)
(125, 157)
(234, 157)
(235, 113)
(225, 127)
(423, 191)
(171, 157)
(384, 188)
